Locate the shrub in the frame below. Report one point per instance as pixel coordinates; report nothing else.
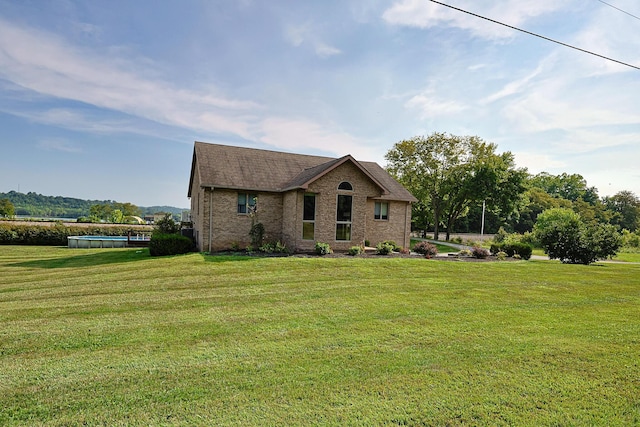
(479, 252)
(630, 240)
(169, 244)
(167, 225)
(564, 236)
(274, 248)
(384, 248)
(367, 243)
(355, 250)
(512, 248)
(393, 245)
(500, 236)
(323, 248)
(256, 233)
(501, 256)
(425, 248)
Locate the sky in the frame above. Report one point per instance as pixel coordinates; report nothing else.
(103, 100)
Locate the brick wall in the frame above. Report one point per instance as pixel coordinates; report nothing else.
(281, 214)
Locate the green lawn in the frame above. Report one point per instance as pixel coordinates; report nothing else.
(114, 337)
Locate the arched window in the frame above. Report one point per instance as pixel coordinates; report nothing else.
(344, 185)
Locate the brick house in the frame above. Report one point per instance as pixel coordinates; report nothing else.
(300, 199)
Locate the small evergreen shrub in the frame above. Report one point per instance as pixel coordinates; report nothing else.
(393, 245)
(480, 252)
(274, 248)
(512, 248)
(425, 248)
(169, 244)
(384, 248)
(355, 250)
(501, 256)
(367, 243)
(323, 248)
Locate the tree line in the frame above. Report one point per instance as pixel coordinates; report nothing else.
(37, 205)
(462, 185)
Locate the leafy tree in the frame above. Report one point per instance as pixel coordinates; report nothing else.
(117, 217)
(101, 212)
(566, 237)
(564, 186)
(127, 209)
(625, 206)
(167, 225)
(7, 209)
(449, 173)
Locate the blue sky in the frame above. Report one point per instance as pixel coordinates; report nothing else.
(104, 99)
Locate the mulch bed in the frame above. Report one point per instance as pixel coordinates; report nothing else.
(366, 255)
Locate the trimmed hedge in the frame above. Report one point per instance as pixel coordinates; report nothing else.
(56, 235)
(512, 248)
(169, 244)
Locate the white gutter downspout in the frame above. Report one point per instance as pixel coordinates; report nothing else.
(210, 217)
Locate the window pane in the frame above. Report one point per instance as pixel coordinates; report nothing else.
(344, 208)
(309, 213)
(376, 210)
(384, 210)
(343, 231)
(308, 230)
(242, 203)
(345, 186)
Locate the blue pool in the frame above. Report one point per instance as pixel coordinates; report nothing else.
(89, 242)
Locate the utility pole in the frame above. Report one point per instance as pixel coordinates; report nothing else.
(482, 227)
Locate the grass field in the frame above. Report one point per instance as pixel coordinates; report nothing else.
(114, 337)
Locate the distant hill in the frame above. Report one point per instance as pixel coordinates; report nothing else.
(36, 205)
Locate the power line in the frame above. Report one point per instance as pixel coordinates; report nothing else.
(534, 34)
(617, 8)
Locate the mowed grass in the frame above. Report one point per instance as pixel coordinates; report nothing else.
(114, 337)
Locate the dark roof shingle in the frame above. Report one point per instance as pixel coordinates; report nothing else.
(231, 167)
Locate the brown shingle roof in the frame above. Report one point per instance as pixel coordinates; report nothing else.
(230, 167)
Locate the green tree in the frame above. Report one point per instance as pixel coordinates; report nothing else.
(7, 209)
(101, 212)
(167, 225)
(564, 236)
(127, 209)
(449, 173)
(565, 186)
(625, 206)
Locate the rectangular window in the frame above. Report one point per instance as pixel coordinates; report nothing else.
(343, 217)
(343, 231)
(381, 210)
(246, 203)
(309, 217)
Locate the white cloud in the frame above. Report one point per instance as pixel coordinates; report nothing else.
(514, 87)
(57, 144)
(425, 14)
(325, 51)
(429, 105)
(45, 64)
(304, 135)
(536, 162)
(296, 35)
